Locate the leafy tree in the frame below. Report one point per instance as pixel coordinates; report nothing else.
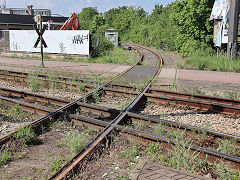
(97, 23)
(182, 25)
(86, 17)
(194, 30)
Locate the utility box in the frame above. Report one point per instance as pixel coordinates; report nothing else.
(112, 35)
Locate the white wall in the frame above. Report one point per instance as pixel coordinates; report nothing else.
(65, 41)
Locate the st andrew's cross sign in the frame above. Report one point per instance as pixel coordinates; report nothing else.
(40, 36)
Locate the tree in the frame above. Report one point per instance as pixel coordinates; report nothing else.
(86, 17)
(191, 20)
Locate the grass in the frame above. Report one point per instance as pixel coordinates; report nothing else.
(131, 153)
(16, 112)
(33, 82)
(159, 130)
(211, 63)
(57, 164)
(116, 56)
(75, 141)
(183, 159)
(232, 94)
(228, 146)
(53, 85)
(26, 136)
(142, 125)
(13, 114)
(5, 156)
(81, 86)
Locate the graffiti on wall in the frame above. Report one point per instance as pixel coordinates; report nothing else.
(67, 42)
(79, 39)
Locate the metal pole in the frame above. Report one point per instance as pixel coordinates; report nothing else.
(233, 29)
(41, 39)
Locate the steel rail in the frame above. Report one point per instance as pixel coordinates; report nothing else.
(33, 96)
(124, 114)
(216, 104)
(197, 97)
(49, 117)
(213, 106)
(190, 96)
(143, 136)
(101, 110)
(85, 153)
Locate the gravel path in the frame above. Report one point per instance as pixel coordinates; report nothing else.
(218, 122)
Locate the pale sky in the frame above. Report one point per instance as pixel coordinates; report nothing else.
(65, 7)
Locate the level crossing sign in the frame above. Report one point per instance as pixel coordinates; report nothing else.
(40, 36)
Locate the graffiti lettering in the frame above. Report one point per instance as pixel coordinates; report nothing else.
(79, 39)
(15, 46)
(62, 47)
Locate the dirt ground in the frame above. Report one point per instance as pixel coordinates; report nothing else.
(40, 161)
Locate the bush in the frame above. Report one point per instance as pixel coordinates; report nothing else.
(100, 45)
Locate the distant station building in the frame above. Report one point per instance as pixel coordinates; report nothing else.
(23, 11)
(112, 35)
(23, 19)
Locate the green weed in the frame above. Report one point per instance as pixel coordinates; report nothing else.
(81, 87)
(33, 82)
(179, 64)
(159, 130)
(153, 150)
(197, 91)
(46, 56)
(212, 63)
(228, 146)
(57, 164)
(26, 136)
(142, 125)
(16, 112)
(5, 156)
(75, 141)
(130, 153)
(231, 95)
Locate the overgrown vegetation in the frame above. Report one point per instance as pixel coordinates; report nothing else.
(33, 82)
(57, 164)
(211, 63)
(182, 25)
(15, 113)
(26, 136)
(5, 156)
(75, 141)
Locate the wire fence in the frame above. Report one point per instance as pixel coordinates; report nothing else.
(4, 40)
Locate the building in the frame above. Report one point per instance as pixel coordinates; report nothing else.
(112, 35)
(26, 22)
(23, 11)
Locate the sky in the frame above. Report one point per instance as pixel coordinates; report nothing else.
(65, 7)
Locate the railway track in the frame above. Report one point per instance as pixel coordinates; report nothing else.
(141, 136)
(33, 108)
(122, 116)
(198, 101)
